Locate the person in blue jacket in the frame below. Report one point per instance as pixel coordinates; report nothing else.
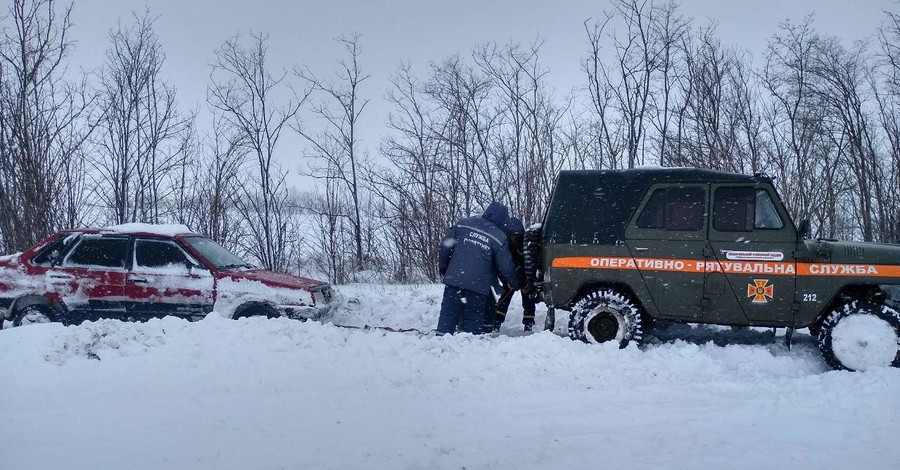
(496, 313)
(473, 253)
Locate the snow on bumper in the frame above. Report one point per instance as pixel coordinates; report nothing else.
(292, 303)
(325, 301)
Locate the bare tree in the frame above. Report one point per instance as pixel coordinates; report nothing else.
(211, 186)
(670, 30)
(413, 187)
(797, 124)
(44, 122)
(525, 145)
(336, 146)
(889, 113)
(606, 141)
(841, 88)
(709, 125)
(245, 91)
(636, 93)
(638, 54)
(829, 126)
(144, 137)
(463, 126)
(329, 219)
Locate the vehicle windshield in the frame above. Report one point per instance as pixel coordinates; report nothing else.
(216, 254)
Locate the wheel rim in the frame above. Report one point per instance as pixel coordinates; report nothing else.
(602, 325)
(33, 317)
(863, 341)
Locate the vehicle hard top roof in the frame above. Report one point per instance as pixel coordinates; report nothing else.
(159, 230)
(663, 174)
(594, 206)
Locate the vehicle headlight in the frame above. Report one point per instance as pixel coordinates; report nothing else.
(322, 294)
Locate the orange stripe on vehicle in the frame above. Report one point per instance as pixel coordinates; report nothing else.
(592, 263)
(856, 270)
(728, 267)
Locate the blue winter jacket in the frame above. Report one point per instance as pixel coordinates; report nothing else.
(476, 251)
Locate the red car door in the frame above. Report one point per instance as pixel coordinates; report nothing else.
(166, 280)
(90, 280)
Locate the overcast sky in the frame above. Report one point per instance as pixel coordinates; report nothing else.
(419, 31)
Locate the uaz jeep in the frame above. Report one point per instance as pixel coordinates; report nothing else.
(619, 249)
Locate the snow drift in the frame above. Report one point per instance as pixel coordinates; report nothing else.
(261, 394)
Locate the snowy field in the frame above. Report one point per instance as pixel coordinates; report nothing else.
(279, 394)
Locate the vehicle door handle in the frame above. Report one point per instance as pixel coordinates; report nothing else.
(641, 248)
(137, 280)
(61, 277)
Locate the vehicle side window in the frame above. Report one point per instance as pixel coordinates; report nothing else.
(52, 252)
(106, 252)
(742, 209)
(157, 254)
(766, 215)
(679, 209)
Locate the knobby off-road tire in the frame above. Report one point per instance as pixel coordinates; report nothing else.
(860, 335)
(33, 314)
(532, 255)
(606, 315)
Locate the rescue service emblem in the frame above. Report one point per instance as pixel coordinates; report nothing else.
(761, 291)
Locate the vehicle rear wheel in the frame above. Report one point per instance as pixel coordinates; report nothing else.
(32, 315)
(256, 310)
(606, 315)
(860, 335)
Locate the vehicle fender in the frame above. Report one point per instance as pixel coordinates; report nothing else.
(621, 287)
(27, 300)
(248, 303)
(229, 306)
(845, 293)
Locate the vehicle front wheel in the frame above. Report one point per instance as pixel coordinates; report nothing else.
(33, 314)
(860, 335)
(606, 315)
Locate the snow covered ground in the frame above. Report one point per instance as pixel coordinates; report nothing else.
(273, 394)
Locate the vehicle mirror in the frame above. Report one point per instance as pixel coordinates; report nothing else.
(191, 266)
(804, 228)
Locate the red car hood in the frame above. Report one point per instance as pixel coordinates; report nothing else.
(273, 279)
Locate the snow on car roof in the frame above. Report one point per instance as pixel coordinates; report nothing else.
(169, 230)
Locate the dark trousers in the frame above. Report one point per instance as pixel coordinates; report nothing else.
(496, 311)
(461, 310)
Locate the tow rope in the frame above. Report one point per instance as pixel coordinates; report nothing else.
(385, 328)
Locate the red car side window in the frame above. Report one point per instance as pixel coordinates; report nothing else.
(52, 252)
(158, 254)
(106, 252)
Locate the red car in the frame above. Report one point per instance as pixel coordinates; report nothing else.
(141, 271)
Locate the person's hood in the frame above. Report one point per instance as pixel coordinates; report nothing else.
(498, 214)
(515, 227)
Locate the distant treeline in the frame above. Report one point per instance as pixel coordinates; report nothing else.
(819, 115)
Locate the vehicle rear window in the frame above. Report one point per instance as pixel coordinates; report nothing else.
(106, 252)
(592, 207)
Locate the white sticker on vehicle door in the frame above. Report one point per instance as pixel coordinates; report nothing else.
(753, 255)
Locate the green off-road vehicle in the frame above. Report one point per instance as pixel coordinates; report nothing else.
(619, 249)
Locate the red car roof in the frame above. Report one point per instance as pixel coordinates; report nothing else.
(138, 229)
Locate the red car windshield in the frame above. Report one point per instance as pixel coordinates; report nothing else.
(216, 254)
